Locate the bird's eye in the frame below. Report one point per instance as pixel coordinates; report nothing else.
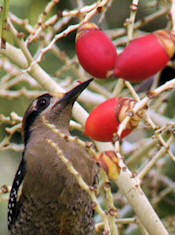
(42, 103)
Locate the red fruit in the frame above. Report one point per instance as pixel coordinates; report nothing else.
(95, 50)
(145, 56)
(103, 122)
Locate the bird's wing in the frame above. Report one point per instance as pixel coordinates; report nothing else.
(12, 204)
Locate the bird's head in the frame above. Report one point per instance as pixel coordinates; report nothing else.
(56, 110)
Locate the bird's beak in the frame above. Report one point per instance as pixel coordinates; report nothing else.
(72, 95)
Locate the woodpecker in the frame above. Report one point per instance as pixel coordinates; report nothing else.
(51, 201)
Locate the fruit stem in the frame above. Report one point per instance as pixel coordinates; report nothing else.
(118, 88)
(131, 20)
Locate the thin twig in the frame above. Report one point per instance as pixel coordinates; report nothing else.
(153, 161)
(131, 20)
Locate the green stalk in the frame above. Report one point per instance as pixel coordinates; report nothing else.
(4, 24)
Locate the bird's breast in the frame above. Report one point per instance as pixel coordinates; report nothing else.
(46, 173)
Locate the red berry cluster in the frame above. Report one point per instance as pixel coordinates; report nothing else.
(142, 58)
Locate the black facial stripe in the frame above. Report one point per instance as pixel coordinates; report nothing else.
(28, 123)
(31, 117)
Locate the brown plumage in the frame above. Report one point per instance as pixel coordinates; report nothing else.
(51, 201)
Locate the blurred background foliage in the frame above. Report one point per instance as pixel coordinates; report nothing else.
(115, 18)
